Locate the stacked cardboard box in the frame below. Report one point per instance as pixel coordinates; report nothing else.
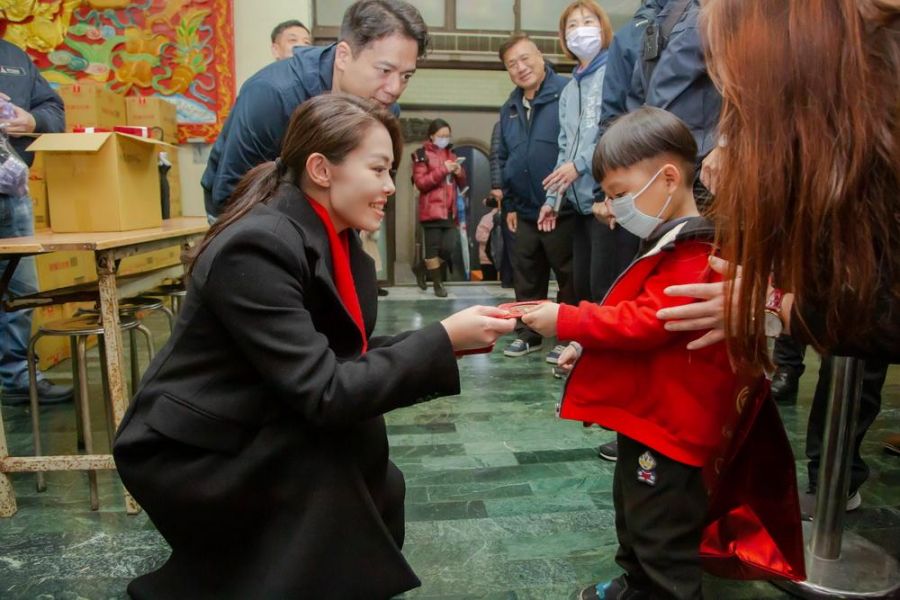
(50, 350)
(162, 117)
(90, 105)
(37, 188)
(150, 261)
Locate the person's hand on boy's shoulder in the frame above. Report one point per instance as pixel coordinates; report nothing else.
(543, 318)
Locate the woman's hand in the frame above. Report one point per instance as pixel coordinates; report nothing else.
(603, 214)
(452, 166)
(568, 357)
(477, 327)
(710, 168)
(708, 314)
(543, 318)
(559, 180)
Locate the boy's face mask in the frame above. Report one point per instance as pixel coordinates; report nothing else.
(632, 219)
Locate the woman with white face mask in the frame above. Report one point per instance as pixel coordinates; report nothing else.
(438, 175)
(585, 34)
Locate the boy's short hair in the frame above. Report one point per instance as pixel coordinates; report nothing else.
(641, 134)
(369, 20)
(279, 29)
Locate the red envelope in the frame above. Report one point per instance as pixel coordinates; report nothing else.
(517, 309)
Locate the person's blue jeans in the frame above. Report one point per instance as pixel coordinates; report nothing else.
(16, 219)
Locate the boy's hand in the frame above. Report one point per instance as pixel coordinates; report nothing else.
(543, 318)
(567, 358)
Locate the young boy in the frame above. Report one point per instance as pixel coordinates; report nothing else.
(667, 404)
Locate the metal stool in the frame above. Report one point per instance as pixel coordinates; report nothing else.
(78, 330)
(175, 292)
(133, 307)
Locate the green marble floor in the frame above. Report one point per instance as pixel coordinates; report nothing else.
(504, 501)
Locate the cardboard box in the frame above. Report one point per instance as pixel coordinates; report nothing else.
(90, 105)
(63, 269)
(38, 192)
(150, 261)
(151, 111)
(51, 350)
(101, 181)
(37, 189)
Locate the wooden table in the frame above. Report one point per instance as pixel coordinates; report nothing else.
(108, 248)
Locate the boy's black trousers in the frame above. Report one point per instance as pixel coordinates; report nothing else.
(659, 524)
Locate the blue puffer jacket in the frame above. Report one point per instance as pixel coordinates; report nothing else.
(680, 83)
(579, 117)
(252, 134)
(528, 149)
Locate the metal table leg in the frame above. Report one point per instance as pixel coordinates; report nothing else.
(7, 495)
(841, 564)
(112, 343)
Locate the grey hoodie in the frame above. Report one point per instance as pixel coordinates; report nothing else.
(579, 119)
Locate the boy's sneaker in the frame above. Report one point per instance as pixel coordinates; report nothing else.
(553, 355)
(520, 348)
(609, 451)
(617, 589)
(808, 504)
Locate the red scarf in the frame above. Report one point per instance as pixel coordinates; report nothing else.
(343, 276)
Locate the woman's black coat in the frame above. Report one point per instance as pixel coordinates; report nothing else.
(256, 442)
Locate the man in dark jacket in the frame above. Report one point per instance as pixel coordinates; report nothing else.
(38, 109)
(509, 240)
(528, 149)
(380, 41)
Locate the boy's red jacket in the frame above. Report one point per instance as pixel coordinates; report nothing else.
(639, 379)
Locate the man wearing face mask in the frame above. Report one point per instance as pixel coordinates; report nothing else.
(380, 42)
(528, 151)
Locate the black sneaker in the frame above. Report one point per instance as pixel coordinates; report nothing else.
(785, 385)
(808, 504)
(609, 451)
(521, 348)
(48, 393)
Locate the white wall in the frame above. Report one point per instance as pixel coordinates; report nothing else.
(253, 24)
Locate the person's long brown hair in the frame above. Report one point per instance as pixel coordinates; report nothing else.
(332, 125)
(808, 187)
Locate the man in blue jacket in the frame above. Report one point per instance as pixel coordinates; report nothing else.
(380, 41)
(528, 149)
(38, 109)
